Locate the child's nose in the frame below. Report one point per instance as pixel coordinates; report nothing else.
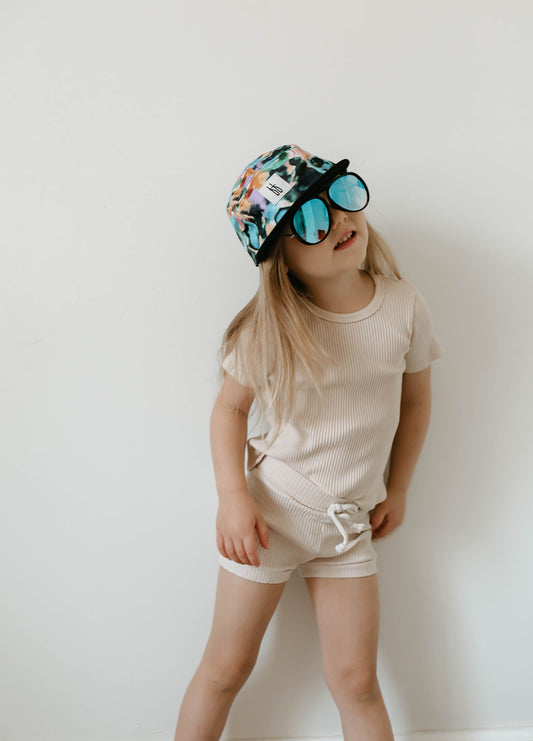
(339, 220)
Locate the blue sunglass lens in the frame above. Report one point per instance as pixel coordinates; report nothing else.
(348, 192)
(311, 221)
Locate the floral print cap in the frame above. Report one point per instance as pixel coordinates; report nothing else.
(270, 189)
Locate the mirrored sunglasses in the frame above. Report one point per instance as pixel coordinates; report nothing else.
(312, 220)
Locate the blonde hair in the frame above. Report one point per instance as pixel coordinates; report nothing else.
(271, 335)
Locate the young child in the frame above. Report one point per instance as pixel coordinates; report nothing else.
(336, 349)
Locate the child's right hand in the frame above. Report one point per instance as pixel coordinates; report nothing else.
(237, 521)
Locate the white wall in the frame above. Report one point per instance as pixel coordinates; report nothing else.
(124, 126)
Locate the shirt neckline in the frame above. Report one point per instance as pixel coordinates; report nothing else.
(353, 316)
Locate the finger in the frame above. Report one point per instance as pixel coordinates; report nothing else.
(251, 550)
(239, 547)
(231, 551)
(378, 528)
(383, 517)
(263, 533)
(385, 530)
(220, 544)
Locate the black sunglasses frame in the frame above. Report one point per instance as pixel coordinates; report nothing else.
(333, 204)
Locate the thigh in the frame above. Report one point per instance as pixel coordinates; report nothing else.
(242, 612)
(347, 613)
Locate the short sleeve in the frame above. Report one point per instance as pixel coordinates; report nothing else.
(235, 369)
(425, 347)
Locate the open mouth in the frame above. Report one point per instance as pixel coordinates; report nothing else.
(347, 242)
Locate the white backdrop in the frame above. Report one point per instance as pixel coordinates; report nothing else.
(124, 126)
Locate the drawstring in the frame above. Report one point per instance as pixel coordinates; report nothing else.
(343, 509)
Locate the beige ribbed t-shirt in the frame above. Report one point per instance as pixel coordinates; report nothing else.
(344, 446)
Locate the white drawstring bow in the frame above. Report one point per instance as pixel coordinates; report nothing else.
(339, 510)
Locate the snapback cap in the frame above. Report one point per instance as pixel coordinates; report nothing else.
(270, 189)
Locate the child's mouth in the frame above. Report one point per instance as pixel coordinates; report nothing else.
(347, 243)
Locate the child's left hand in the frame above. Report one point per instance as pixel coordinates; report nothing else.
(387, 515)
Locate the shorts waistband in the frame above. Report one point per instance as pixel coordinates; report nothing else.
(296, 485)
(345, 513)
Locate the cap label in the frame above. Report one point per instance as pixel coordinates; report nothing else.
(274, 188)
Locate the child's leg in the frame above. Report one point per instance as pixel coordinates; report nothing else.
(347, 612)
(242, 612)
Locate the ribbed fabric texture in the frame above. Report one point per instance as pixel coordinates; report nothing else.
(302, 537)
(344, 446)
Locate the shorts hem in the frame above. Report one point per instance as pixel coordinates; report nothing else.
(346, 570)
(252, 573)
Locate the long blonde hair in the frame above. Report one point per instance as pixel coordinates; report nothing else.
(271, 335)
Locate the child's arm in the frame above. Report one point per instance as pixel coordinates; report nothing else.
(239, 518)
(228, 433)
(414, 421)
(415, 414)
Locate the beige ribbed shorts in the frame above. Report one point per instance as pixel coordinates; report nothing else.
(310, 530)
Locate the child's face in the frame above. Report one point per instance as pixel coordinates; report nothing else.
(321, 260)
